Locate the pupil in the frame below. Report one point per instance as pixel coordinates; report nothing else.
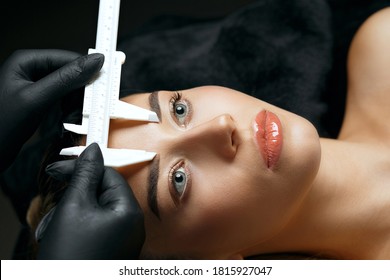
(180, 110)
(179, 178)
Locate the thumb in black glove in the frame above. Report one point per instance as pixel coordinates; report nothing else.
(98, 217)
(31, 81)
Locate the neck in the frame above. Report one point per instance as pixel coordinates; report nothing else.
(344, 215)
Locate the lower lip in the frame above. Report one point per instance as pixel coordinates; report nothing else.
(269, 137)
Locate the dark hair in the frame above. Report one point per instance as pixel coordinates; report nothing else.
(50, 191)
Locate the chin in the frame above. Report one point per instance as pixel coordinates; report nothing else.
(304, 152)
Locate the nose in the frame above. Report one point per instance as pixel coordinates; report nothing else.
(215, 136)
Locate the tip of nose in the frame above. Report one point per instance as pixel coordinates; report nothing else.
(226, 121)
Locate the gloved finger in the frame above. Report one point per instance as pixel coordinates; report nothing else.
(87, 176)
(65, 79)
(40, 231)
(116, 193)
(117, 196)
(32, 65)
(61, 170)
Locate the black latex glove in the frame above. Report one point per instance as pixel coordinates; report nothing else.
(98, 216)
(31, 81)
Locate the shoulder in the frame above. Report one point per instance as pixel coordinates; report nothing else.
(369, 56)
(368, 71)
(376, 21)
(374, 32)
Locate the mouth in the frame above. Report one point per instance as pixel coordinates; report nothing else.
(268, 137)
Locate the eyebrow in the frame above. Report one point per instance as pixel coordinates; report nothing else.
(152, 189)
(155, 165)
(155, 104)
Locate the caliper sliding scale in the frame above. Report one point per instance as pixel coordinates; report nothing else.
(101, 97)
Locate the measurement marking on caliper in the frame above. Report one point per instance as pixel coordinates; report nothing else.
(101, 97)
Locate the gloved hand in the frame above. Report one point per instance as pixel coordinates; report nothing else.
(98, 216)
(31, 81)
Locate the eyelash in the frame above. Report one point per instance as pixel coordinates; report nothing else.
(176, 96)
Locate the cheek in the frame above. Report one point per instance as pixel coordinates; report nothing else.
(206, 223)
(223, 215)
(240, 208)
(208, 106)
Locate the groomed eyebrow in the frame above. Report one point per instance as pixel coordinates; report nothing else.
(155, 165)
(155, 104)
(152, 185)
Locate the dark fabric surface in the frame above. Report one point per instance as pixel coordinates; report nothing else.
(289, 53)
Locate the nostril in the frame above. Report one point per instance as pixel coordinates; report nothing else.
(235, 139)
(231, 129)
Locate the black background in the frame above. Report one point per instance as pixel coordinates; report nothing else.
(72, 24)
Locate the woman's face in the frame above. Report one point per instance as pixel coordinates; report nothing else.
(213, 190)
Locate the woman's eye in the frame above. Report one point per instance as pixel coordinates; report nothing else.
(181, 111)
(179, 181)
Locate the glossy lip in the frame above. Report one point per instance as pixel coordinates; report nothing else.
(268, 137)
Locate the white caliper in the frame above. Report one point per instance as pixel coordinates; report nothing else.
(101, 97)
